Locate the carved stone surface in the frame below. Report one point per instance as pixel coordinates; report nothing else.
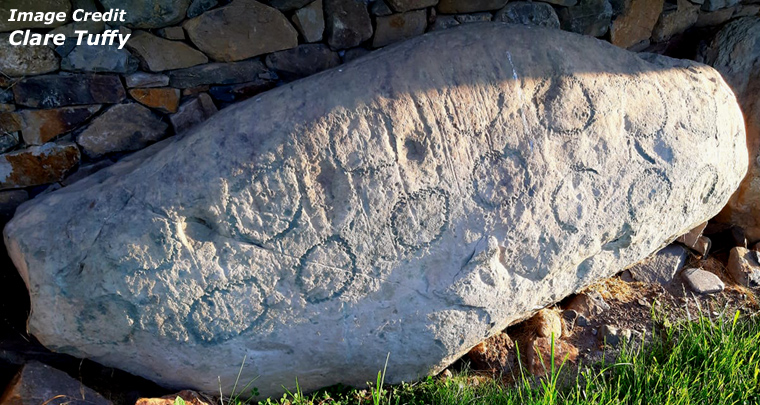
(318, 226)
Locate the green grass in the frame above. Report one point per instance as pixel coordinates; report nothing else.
(702, 362)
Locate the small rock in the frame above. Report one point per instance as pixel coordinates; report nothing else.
(432, 15)
(38, 383)
(142, 79)
(9, 201)
(10, 122)
(469, 6)
(241, 30)
(158, 54)
(38, 165)
(582, 321)
(9, 140)
(198, 7)
(34, 6)
(690, 239)
(447, 374)
(355, 53)
(714, 18)
(194, 91)
(310, 21)
(594, 331)
(473, 18)
(379, 8)
(172, 33)
(702, 282)
(192, 113)
(660, 267)
(102, 59)
(547, 323)
(744, 266)
(25, 60)
(713, 5)
(150, 14)
(746, 10)
(189, 397)
(6, 96)
(613, 336)
(590, 303)
(672, 22)
(220, 73)
(41, 126)
(444, 22)
(703, 246)
(287, 5)
(570, 316)
(495, 354)
(589, 17)
(52, 91)
(539, 355)
(626, 276)
(347, 23)
(398, 27)
(302, 61)
(401, 6)
(635, 23)
(121, 128)
(739, 236)
(164, 99)
(528, 13)
(239, 92)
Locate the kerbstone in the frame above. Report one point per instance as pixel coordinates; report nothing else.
(413, 201)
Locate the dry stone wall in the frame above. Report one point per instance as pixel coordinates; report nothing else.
(188, 58)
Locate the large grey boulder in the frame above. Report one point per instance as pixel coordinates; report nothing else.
(414, 201)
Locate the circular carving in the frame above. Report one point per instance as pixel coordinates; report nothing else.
(224, 313)
(576, 199)
(361, 142)
(645, 111)
(702, 121)
(265, 206)
(564, 105)
(326, 270)
(420, 218)
(648, 194)
(499, 179)
(703, 187)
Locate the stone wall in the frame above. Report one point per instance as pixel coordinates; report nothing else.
(68, 111)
